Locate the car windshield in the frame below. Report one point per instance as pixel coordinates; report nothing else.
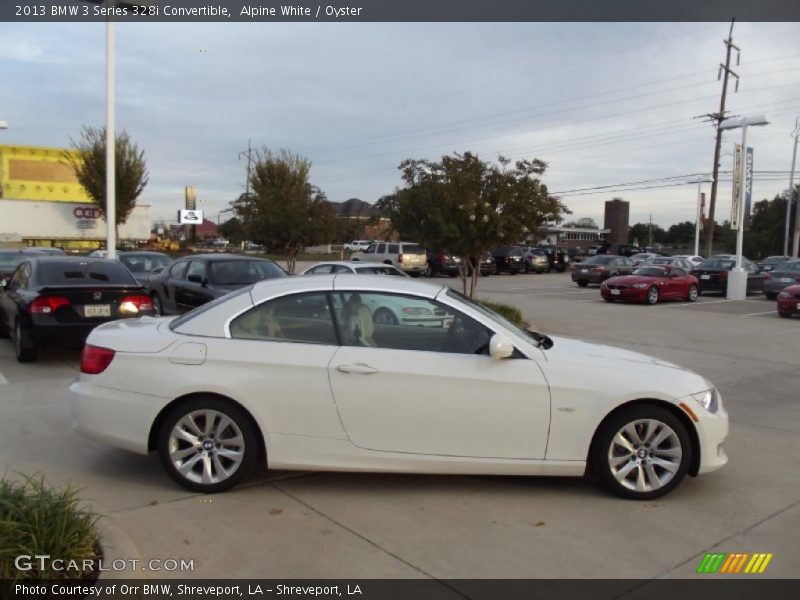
(84, 272)
(203, 308)
(790, 266)
(243, 272)
(659, 261)
(719, 264)
(598, 260)
(380, 270)
(536, 338)
(651, 272)
(774, 260)
(144, 263)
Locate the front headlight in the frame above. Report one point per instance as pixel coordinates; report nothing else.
(640, 286)
(784, 295)
(708, 399)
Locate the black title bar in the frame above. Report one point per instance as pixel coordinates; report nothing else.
(366, 11)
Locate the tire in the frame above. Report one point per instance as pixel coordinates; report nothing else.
(785, 315)
(452, 274)
(652, 295)
(25, 349)
(611, 300)
(383, 316)
(4, 332)
(158, 304)
(694, 292)
(239, 441)
(428, 272)
(770, 295)
(583, 283)
(526, 269)
(648, 473)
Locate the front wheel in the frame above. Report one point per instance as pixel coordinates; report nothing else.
(158, 306)
(642, 452)
(207, 445)
(583, 283)
(652, 295)
(770, 295)
(693, 294)
(428, 272)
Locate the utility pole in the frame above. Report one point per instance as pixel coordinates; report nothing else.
(718, 118)
(790, 198)
(650, 231)
(249, 154)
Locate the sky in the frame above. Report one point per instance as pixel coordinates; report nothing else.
(601, 103)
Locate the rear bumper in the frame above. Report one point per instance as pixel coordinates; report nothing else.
(120, 419)
(578, 277)
(65, 335)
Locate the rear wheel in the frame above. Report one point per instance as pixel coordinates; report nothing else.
(583, 283)
(642, 452)
(609, 299)
(652, 295)
(770, 295)
(693, 293)
(428, 272)
(158, 306)
(207, 445)
(24, 347)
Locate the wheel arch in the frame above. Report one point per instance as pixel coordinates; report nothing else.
(694, 466)
(152, 438)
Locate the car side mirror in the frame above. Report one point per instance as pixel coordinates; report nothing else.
(197, 279)
(500, 347)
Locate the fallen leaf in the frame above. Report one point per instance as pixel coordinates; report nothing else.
(154, 502)
(538, 524)
(275, 511)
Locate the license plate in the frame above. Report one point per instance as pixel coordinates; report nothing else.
(97, 310)
(615, 292)
(786, 279)
(584, 270)
(705, 276)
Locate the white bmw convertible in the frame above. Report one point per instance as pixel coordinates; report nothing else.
(296, 371)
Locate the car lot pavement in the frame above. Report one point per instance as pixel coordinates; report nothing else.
(319, 525)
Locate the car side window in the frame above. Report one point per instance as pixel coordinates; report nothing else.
(178, 270)
(196, 267)
(393, 248)
(341, 269)
(381, 249)
(322, 270)
(299, 318)
(372, 248)
(399, 322)
(678, 272)
(16, 278)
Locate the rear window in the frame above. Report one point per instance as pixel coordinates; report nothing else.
(243, 272)
(600, 259)
(84, 273)
(203, 308)
(413, 249)
(10, 261)
(723, 265)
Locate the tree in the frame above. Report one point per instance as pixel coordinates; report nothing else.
(768, 228)
(284, 212)
(640, 233)
(233, 230)
(89, 164)
(680, 233)
(585, 223)
(468, 207)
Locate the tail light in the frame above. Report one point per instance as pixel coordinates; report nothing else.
(442, 257)
(95, 359)
(135, 304)
(505, 258)
(723, 275)
(400, 258)
(45, 305)
(767, 277)
(598, 269)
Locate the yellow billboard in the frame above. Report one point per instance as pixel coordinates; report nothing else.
(38, 173)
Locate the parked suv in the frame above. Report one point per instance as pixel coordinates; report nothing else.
(407, 256)
(357, 245)
(557, 258)
(535, 259)
(509, 259)
(442, 262)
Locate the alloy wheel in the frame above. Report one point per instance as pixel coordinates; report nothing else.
(645, 455)
(652, 295)
(693, 293)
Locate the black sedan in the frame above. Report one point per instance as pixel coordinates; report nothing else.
(57, 301)
(713, 275)
(192, 281)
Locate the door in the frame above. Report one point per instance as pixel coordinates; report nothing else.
(434, 391)
(190, 294)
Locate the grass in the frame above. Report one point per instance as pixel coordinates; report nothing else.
(37, 518)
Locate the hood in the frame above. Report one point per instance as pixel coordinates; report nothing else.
(579, 352)
(631, 279)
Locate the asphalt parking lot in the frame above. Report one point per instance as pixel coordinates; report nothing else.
(340, 525)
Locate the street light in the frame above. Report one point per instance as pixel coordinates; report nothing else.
(699, 181)
(737, 279)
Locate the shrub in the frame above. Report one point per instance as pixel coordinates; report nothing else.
(38, 518)
(512, 313)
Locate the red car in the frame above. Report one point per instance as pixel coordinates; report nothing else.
(651, 284)
(789, 301)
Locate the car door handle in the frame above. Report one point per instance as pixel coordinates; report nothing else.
(357, 368)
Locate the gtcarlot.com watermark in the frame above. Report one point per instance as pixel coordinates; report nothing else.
(44, 563)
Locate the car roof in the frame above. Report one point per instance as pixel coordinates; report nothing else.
(222, 256)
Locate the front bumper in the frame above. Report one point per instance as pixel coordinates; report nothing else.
(626, 295)
(711, 432)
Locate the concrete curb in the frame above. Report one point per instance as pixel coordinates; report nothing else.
(118, 546)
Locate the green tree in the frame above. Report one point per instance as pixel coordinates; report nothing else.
(768, 228)
(284, 212)
(233, 230)
(89, 164)
(468, 206)
(640, 234)
(680, 233)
